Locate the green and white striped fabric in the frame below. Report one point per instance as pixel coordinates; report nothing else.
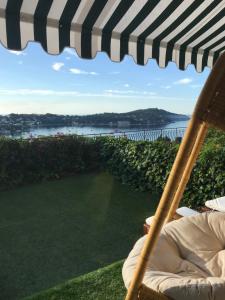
(185, 32)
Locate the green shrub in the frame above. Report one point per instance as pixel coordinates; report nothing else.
(146, 166)
(143, 165)
(26, 161)
(208, 177)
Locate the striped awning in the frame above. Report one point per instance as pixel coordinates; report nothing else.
(185, 32)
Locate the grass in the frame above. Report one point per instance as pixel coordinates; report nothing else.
(54, 231)
(103, 284)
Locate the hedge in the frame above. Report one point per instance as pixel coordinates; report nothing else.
(146, 166)
(143, 165)
(33, 160)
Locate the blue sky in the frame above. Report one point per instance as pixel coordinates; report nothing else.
(35, 82)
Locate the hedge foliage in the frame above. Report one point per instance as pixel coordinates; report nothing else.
(146, 166)
(27, 161)
(143, 165)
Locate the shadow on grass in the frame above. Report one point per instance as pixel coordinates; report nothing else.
(57, 230)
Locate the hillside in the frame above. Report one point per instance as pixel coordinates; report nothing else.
(145, 117)
(150, 116)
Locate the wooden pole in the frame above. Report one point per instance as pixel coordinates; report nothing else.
(164, 205)
(202, 111)
(187, 171)
(201, 114)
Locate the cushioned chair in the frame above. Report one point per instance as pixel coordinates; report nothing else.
(207, 280)
(216, 204)
(188, 262)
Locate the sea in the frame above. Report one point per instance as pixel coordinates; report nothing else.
(85, 130)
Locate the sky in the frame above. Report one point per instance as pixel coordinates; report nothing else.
(33, 81)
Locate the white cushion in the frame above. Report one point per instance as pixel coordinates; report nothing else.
(186, 211)
(188, 262)
(149, 220)
(216, 204)
(182, 211)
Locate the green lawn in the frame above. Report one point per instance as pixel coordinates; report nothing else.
(54, 231)
(103, 284)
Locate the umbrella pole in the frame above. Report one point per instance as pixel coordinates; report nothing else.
(187, 171)
(166, 201)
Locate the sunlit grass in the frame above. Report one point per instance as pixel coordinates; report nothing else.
(103, 284)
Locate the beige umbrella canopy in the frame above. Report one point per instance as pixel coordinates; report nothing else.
(184, 32)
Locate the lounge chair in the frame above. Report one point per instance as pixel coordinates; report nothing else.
(180, 212)
(188, 262)
(217, 204)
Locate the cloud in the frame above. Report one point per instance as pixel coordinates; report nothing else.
(70, 51)
(50, 92)
(69, 95)
(17, 52)
(149, 93)
(93, 73)
(130, 92)
(57, 66)
(184, 81)
(81, 72)
(77, 71)
(126, 85)
(120, 91)
(166, 87)
(114, 72)
(39, 92)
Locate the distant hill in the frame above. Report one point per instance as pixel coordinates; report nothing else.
(141, 117)
(150, 116)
